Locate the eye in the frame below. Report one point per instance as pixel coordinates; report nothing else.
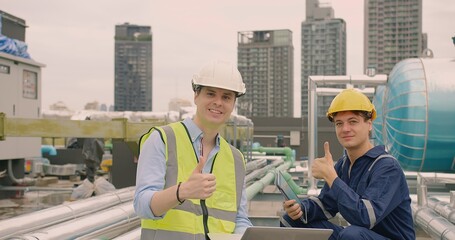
(338, 124)
(353, 122)
(227, 97)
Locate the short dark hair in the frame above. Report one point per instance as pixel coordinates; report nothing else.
(364, 114)
(197, 88)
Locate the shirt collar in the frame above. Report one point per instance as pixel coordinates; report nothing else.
(372, 153)
(195, 132)
(376, 151)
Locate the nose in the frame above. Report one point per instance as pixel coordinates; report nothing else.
(218, 101)
(346, 127)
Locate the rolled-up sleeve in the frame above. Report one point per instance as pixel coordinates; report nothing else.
(242, 221)
(151, 170)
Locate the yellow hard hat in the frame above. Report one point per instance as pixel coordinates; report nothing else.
(351, 100)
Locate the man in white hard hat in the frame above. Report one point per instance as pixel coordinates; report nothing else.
(366, 186)
(190, 181)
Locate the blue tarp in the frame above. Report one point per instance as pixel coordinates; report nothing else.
(12, 46)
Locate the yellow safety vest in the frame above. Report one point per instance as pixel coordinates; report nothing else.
(189, 220)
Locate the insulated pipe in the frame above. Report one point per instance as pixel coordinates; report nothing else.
(110, 218)
(288, 152)
(442, 208)
(257, 186)
(255, 164)
(112, 231)
(432, 223)
(260, 172)
(33, 188)
(296, 188)
(66, 211)
(131, 235)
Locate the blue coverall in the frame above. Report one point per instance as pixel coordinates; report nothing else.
(373, 196)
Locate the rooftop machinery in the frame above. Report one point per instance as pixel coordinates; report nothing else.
(415, 123)
(20, 97)
(416, 112)
(414, 109)
(22, 126)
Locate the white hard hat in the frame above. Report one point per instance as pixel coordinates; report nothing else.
(220, 74)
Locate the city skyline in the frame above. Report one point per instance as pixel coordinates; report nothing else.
(76, 40)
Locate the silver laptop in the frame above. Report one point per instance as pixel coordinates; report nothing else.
(274, 233)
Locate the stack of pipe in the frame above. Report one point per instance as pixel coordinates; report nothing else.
(62, 213)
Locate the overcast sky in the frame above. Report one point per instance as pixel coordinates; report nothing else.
(75, 39)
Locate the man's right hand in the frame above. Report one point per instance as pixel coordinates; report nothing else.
(292, 209)
(323, 168)
(199, 185)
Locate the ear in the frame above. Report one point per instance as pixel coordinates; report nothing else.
(196, 94)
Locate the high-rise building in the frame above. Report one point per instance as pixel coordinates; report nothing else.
(133, 68)
(323, 50)
(393, 32)
(265, 59)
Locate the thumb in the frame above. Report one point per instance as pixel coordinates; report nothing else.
(200, 165)
(327, 150)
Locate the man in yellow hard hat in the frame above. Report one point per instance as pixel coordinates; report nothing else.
(190, 180)
(366, 186)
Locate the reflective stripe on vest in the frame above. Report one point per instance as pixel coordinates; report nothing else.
(186, 220)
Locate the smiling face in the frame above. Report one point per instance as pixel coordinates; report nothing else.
(352, 130)
(214, 107)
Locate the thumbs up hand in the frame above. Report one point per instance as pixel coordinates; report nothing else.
(322, 168)
(199, 185)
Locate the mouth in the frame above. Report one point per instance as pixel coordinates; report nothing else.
(215, 111)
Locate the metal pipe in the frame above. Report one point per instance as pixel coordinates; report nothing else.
(22, 181)
(378, 79)
(433, 216)
(312, 134)
(112, 231)
(112, 218)
(33, 188)
(424, 178)
(442, 208)
(434, 177)
(131, 235)
(432, 223)
(452, 199)
(422, 195)
(71, 210)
